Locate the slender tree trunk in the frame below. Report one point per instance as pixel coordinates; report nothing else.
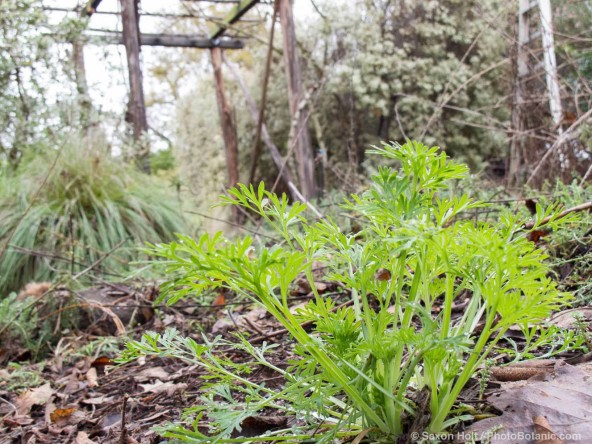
(226, 122)
(304, 153)
(84, 101)
(137, 106)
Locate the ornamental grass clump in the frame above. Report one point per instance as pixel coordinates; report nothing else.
(388, 364)
(87, 210)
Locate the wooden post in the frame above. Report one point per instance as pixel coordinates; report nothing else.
(137, 106)
(304, 154)
(550, 62)
(519, 148)
(226, 121)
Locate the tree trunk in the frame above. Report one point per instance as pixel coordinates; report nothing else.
(137, 106)
(226, 122)
(304, 154)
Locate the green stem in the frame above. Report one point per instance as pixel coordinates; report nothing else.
(450, 398)
(447, 312)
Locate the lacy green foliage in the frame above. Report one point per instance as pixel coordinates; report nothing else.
(378, 363)
(89, 205)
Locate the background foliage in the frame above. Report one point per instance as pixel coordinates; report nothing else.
(65, 209)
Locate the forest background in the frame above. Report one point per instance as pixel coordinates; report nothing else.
(443, 72)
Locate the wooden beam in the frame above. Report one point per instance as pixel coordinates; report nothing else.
(137, 105)
(164, 15)
(226, 120)
(169, 40)
(237, 12)
(304, 153)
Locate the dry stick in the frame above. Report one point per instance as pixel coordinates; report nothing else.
(123, 436)
(567, 134)
(257, 147)
(588, 172)
(57, 257)
(104, 308)
(546, 220)
(35, 196)
(299, 196)
(99, 260)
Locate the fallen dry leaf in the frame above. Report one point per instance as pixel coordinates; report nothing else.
(383, 275)
(220, 300)
(102, 361)
(257, 425)
(159, 387)
(65, 417)
(82, 438)
(37, 396)
(92, 377)
(98, 400)
(563, 397)
(17, 421)
(152, 373)
(543, 430)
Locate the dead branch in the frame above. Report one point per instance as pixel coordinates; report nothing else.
(546, 220)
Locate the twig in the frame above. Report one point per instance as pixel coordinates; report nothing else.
(123, 435)
(57, 257)
(560, 141)
(104, 308)
(99, 260)
(546, 220)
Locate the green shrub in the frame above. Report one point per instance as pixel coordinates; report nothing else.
(89, 205)
(388, 361)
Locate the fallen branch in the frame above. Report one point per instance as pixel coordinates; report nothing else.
(546, 220)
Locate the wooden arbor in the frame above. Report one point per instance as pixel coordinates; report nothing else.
(216, 42)
(536, 80)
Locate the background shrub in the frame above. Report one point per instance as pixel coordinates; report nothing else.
(62, 218)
